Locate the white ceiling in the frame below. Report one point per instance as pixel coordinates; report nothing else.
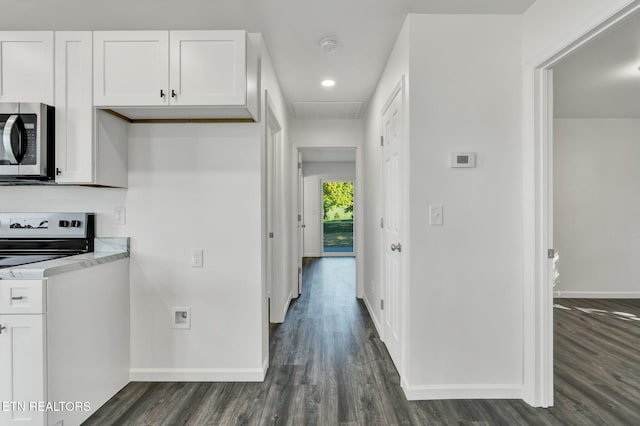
(328, 154)
(366, 30)
(602, 79)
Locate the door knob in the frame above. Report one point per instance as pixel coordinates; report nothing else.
(396, 247)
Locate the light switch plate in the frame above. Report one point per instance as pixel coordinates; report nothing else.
(197, 258)
(435, 215)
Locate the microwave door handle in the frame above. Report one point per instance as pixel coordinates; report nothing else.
(6, 139)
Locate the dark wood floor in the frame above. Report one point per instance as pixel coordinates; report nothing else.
(328, 367)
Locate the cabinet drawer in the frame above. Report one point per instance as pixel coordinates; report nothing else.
(22, 296)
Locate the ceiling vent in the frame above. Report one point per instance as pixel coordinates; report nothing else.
(327, 110)
(329, 45)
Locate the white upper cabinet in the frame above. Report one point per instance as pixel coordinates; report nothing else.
(131, 68)
(207, 67)
(74, 112)
(203, 74)
(26, 66)
(91, 146)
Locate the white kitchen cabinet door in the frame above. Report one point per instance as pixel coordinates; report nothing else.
(74, 107)
(26, 66)
(131, 68)
(208, 68)
(22, 369)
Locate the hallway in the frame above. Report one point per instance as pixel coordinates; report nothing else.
(329, 367)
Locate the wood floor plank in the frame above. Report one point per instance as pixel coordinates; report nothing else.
(329, 367)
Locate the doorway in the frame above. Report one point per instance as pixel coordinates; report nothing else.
(337, 218)
(539, 332)
(329, 208)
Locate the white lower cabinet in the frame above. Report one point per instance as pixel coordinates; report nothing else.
(22, 363)
(64, 345)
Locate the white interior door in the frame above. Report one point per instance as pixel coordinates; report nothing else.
(301, 225)
(270, 221)
(392, 256)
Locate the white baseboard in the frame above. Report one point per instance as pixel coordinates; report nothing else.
(374, 318)
(596, 294)
(197, 374)
(434, 392)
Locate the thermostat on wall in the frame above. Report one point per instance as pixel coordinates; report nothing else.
(463, 159)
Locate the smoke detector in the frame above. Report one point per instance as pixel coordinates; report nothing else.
(329, 45)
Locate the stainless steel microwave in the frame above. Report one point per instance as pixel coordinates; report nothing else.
(27, 142)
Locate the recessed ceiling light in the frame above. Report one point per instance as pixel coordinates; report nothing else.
(328, 83)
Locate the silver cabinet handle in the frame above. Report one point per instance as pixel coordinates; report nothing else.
(14, 121)
(396, 247)
(2, 327)
(18, 298)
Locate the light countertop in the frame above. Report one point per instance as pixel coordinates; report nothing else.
(105, 250)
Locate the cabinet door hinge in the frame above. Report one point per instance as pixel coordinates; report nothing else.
(299, 218)
(382, 222)
(382, 304)
(381, 140)
(270, 234)
(551, 253)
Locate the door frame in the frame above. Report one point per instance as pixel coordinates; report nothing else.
(321, 208)
(538, 208)
(273, 245)
(358, 208)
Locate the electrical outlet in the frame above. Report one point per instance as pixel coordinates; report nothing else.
(120, 215)
(196, 258)
(181, 317)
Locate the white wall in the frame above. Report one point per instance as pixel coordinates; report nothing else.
(190, 186)
(326, 133)
(314, 174)
(466, 276)
(464, 319)
(597, 206)
(195, 186)
(552, 24)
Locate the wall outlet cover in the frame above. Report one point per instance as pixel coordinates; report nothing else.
(181, 317)
(120, 215)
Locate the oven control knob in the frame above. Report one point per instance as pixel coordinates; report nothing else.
(75, 224)
(63, 224)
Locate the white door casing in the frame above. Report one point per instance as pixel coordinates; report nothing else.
(392, 229)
